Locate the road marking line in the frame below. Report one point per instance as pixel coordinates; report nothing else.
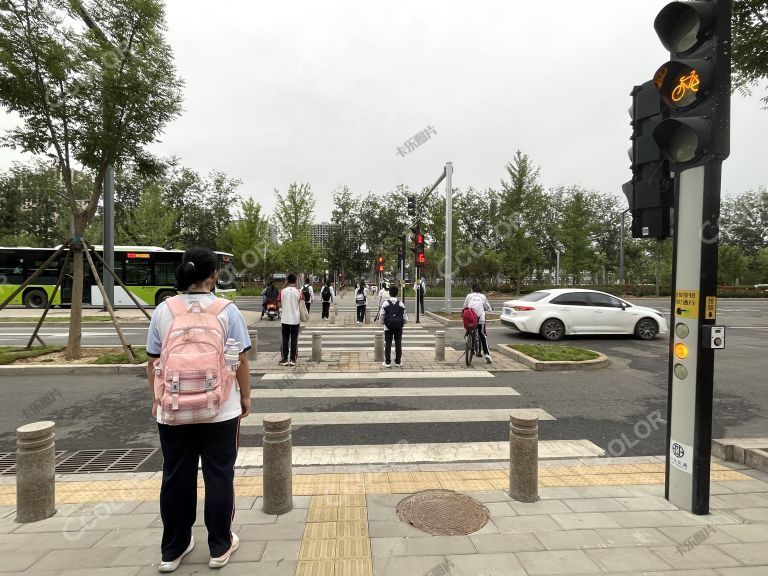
(395, 374)
(382, 392)
(398, 417)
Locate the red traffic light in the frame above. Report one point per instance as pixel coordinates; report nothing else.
(381, 268)
(380, 260)
(419, 238)
(421, 258)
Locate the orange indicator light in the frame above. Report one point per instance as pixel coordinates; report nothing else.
(681, 351)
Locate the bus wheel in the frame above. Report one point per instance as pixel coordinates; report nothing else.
(163, 295)
(35, 298)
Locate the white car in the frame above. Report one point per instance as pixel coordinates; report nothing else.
(569, 311)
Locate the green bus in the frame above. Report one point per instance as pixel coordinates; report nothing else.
(147, 271)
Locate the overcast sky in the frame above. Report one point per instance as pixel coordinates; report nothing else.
(325, 92)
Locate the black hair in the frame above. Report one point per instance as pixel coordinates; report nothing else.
(327, 282)
(197, 264)
(476, 288)
(393, 290)
(291, 279)
(361, 287)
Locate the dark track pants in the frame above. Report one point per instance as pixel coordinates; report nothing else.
(361, 313)
(326, 310)
(182, 446)
(398, 336)
(290, 335)
(483, 338)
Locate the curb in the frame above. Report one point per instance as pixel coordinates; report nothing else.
(600, 362)
(83, 369)
(752, 452)
(48, 325)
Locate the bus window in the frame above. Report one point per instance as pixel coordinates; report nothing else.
(138, 273)
(165, 273)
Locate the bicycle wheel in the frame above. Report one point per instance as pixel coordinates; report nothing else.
(469, 348)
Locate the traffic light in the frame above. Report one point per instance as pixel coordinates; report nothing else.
(695, 83)
(418, 245)
(650, 192)
(411, 205)
(380, 264)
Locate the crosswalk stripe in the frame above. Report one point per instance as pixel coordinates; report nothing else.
(398, 417)
(393, 375)
(262, 393)
(426, 452)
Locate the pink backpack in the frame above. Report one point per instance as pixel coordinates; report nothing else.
(191, 376)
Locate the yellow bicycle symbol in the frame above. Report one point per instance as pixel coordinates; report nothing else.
(690, 82)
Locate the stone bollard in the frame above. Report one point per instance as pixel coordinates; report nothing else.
(524, 457)
(366, 320)
(278, 483)
(332, 314)
(378, 346)
(254, 335)
(35, 472)
(440, 345)
(317, 347)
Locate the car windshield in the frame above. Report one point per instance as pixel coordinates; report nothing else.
(533, 296)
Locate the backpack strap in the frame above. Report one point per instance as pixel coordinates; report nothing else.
(177, 305)
(217, 306)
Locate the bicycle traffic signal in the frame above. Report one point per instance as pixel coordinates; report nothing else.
(650, 192)
(696, 82)
(411, 205)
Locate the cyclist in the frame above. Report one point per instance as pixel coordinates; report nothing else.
(479, 304)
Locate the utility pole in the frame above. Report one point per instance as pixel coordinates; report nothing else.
(109, 235)
(621, 250)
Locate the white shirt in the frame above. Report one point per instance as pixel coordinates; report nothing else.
(289, 302)
(365, 294)
(479, 303)
(383, 297)
(311, 293)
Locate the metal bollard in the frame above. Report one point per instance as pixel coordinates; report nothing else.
(278, 483)
(378, 346)
(317, 347)
(524, 456)
(35, 472)
(440, 345)
(254, 335)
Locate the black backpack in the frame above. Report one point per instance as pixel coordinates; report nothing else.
(326, 294)
(394, 315)
(305, 293)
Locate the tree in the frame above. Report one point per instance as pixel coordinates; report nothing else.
(732, 264)
(294, 212)
(151, 223)
(744, 221)
(576, 232)
(248, 239)
(344, 248)
(93, 84)
(749, 56)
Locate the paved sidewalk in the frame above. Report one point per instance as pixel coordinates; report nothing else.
(597, 516)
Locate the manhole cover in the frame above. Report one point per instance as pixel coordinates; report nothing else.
(443, 512)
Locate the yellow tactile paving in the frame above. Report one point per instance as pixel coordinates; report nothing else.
(353, 529)
(316, 568)
(354, 567)
(320, 530)
(349, 489)
(318, 549)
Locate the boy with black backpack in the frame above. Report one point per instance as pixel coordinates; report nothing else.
(307, 293)
(394, 316)
(326, 295)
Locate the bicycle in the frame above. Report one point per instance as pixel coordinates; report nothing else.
(690, 82)
(472, 344)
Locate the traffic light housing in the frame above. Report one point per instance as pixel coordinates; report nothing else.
(695, 83)
(411, 205)
(380, 264)
(650, 192)
(418, 245)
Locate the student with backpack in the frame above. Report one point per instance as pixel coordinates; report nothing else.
(478, 303)
(326, 295)
(307, 293)
(288, 300)
(361, 301)
(200, 386)
(394, 316)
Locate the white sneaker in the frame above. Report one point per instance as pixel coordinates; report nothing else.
(488, 359)
(173, 564)
(399, 364)
(221, 561)
(385, 365)
(292, 363)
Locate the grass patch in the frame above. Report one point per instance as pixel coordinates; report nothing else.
(59, 319)
(9, 354)
(553, 353)
(139, 353)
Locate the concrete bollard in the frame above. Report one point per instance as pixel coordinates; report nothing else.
(35, 472)
(524, 457)
(317, 347)
(332, 314)
(378, 346)
(254, 340)
(366, 320)
(440, 345)
(278, 483)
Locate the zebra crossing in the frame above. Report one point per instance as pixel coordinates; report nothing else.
(361, 338)
(395, 417)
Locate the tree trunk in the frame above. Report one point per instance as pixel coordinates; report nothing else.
(74, 350)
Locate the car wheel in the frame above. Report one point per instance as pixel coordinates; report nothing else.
(35, 298)
(163, 295)
(552, 330)
(646, 329)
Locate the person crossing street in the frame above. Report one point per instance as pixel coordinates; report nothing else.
(326, 296)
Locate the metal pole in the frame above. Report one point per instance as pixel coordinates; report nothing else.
(416, 292)
(109, 233)
(621, 249)
(557, 268)
(448, 233)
